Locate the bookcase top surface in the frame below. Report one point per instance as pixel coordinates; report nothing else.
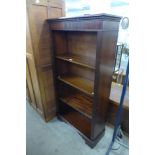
(101, 16)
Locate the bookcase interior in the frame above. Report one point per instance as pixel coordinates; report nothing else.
(75, 61)
(76, 46)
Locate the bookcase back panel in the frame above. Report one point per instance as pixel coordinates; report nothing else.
(79, 45)
(73, 69)
(60, 42)
(76, 119)
(76, 99)
(82, 43)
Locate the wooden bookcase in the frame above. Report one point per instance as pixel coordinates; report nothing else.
(39, 69)
(83, 60)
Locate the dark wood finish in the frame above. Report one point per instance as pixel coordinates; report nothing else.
(66, 68)
(84, 51)
(38, 51)
(77, 59)
(79, 83)
(75, 119)
(105, 58)
(88, 141)
(79, 122)
(80, 102)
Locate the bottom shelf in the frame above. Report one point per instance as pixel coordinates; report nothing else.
(84, 133)
(80, 122)
(77, 120)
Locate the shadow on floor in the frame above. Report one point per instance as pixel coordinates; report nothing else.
(58, 138)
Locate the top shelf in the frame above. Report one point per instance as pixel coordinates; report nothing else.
(77, 59)
(79, 30)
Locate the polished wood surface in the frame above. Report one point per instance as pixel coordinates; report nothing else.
(105, 57)
(40, 34)
(80, 102)
(48, 93)
(65, 67)
(84, 50)
(79, 122)
(30, 91)
(87, 22)
(39, 54)
(83, 44)
(77, 59)
(79, 83)
(32, 72)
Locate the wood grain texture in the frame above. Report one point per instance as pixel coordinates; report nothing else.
(30, 91)
(79, 83)
(80, 102)
(54, 12)
(35, 82)
(48, 94)
(41, 37)
(28, 98)
(39, 54)
(81, 47)
(82, 43)
(79, 122)
(32, 71)
(39, 2)
(77, 59)
(91, 38)
(105, 58)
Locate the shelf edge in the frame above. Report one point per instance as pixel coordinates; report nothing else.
(90, 94)
(83, 113)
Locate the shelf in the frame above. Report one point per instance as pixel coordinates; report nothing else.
(82, 84)
(79, 102)
(79, 122)
(79, 30)
(77, 59)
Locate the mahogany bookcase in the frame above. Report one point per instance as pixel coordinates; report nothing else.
(83, 50)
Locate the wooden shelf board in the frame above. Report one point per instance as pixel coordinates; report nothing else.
(77, 59)
(79, 122)
(79, 102)
(80, 83)
(78, 30)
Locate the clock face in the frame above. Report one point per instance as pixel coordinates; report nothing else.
(125, 23)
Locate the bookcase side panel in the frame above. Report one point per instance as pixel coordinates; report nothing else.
(103, 79)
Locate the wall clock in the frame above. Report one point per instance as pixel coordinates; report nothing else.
(125, 23)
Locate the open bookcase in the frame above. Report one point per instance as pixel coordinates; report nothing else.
(83, 60)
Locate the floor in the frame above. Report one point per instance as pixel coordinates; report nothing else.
(58, 138)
